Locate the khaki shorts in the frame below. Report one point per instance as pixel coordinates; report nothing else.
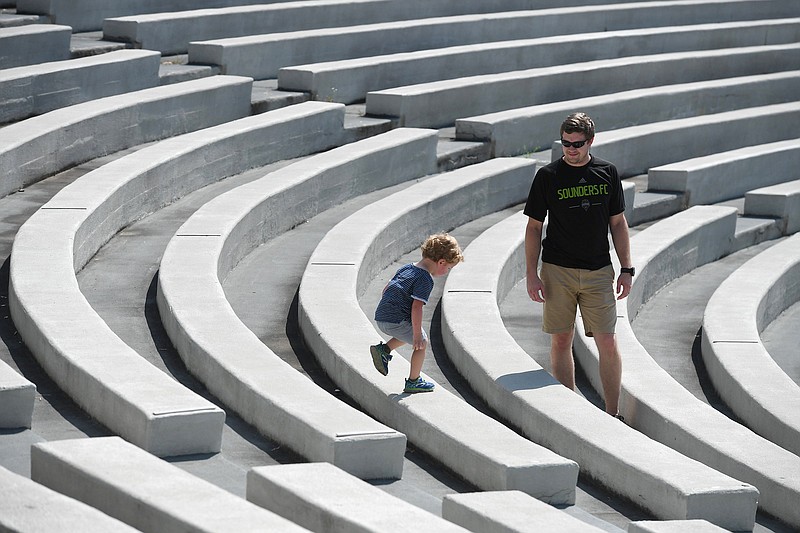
(566, 289)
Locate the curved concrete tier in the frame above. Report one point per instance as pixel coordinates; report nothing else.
(654, 402)
(144, 491)
(36, 89)
(38, 147)
(744, 374)
(262, 54)
(105, 376)
(728, 174)
(646, 472)
(349, 80)
(254, 381)
(526, 129)
(475, 446)
(33, 43)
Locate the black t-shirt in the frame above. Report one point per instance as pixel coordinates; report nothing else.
(578, 202)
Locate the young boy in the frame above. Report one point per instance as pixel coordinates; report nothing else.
(399, 313)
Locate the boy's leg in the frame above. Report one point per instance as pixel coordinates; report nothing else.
(417, 359)
(394, 343)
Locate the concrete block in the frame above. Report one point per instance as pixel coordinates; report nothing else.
(144, 491)
(781, 201)
(730, 174)
(254, 381)
(440, 104)
(742, 371)
(477, 447)
(657, 405)
(28, 507)
(36, 89)
(323, 498)
(333, 76)
(674, 526)
(33, 43)
(646, 472)
(509, 512)
(530, 129)
(17, 396)
(42, 146)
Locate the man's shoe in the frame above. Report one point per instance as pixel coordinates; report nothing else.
(380, 357)
(418, 385)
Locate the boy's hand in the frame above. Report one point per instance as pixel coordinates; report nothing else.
(420, 343)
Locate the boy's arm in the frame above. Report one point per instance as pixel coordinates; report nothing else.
(416, 324)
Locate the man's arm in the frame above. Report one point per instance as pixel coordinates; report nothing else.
(622, 245)
(533, 245)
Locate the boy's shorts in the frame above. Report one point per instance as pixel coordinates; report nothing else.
(402, 331)
(568, 288)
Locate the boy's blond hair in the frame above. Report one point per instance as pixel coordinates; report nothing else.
(442, 246)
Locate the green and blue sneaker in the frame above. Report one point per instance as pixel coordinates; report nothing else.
(418, 385)
(381, 357)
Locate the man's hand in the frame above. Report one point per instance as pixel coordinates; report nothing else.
(624, 285)
(536, 288)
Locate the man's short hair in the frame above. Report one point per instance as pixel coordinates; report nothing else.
(578, 123)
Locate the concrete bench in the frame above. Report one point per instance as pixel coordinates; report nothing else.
(321, 497)
(441, 103)
(28, 507)
(475, 446)
(33, 43)
(263, 53)
(636, 149)
(657, 405)
(41, 146)
(172, 32)
(781, 201)
(105, 376)
(532, 129)
(88, 15)
(649, 474)
(35, 89)
(746, 377)
(674, 526)
(254, 381)
(144, 491)
(349, 80)
(725, 175)
(509, 512)
(17, 396)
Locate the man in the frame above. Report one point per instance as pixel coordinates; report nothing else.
(581, 195)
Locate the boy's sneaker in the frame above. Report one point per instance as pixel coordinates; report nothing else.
(418, 385)
(380, 357)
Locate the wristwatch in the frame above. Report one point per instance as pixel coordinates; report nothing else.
(628, 270)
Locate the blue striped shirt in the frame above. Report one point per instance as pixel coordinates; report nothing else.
(409, 283)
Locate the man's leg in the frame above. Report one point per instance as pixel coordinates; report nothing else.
(610, 370)
(561, 361)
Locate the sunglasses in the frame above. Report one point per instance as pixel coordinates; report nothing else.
(576, 144)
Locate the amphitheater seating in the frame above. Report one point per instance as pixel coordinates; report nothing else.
(262, 55)
(35, 89)
(744, 374)
(33, 43)
(122, 390)
(674, 526)
(334, 327)
(728, 174)
(267, 392)
(440, 104)
(27, 506)
(521, 391)
(530, 129)
(42, 146)
(349, 80)
(781, 201)
(144, 491)
(654, 403)
(639, 148)
(321, 497)
(510, 512)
